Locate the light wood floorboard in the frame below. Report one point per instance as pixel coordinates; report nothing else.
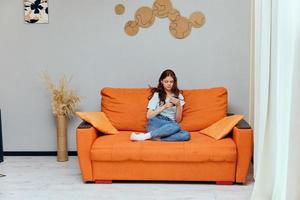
(38, 178)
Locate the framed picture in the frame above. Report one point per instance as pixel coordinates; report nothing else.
(36, 11)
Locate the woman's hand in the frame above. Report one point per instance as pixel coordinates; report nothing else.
(175, 101)
(168, 105)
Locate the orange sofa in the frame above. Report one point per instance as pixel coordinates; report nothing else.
(104, 158)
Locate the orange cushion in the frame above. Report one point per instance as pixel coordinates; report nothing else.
(200, 148)
(203, 107)
(221, 128)
(99, 121)
(126, 108)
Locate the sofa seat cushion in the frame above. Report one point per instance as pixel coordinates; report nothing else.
(200, 148)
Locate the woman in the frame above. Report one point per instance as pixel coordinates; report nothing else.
(164, 111)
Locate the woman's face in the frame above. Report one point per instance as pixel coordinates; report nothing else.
(168, 83)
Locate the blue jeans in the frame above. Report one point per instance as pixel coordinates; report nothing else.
(166, 129)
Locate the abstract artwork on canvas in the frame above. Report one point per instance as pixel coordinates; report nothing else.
(36, 11)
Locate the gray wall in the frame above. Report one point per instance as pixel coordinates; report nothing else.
(85, 39)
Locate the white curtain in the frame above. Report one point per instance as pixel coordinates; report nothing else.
(276, 99)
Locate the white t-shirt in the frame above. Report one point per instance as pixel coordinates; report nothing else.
(169, 112)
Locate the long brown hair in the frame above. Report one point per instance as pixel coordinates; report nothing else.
(160, 88)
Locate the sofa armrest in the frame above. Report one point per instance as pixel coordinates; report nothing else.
(243, 138)
(84, 124)
(243, 124)
(86, 134)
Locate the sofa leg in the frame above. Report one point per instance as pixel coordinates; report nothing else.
(224, 182)
(103, 181)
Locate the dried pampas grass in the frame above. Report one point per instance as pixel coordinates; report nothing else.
(64, 100)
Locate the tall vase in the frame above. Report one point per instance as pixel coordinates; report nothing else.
(62, 144)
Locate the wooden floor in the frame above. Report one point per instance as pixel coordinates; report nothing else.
(38, 178)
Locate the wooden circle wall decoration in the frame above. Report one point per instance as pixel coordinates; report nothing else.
(161, 8)
(119, 9)
(174, 14)
(197, 19)
(144, 16)
(180, 28)
(131, 28)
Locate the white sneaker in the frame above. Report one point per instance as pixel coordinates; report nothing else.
(140, 137)
(133, 136)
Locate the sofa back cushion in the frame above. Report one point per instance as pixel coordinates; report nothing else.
(203, 107)
(126, 108)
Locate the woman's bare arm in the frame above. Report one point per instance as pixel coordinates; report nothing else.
(178, 113)
(176, 102)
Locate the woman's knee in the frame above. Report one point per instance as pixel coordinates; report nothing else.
(185, 136)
